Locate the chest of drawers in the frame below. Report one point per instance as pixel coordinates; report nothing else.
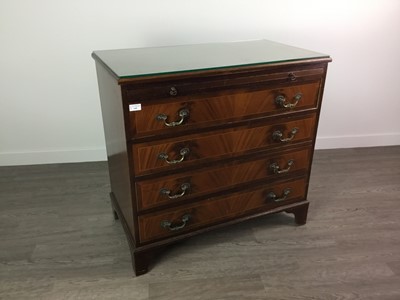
(203, 136)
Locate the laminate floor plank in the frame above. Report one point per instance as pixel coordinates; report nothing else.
(58, 239)
(227, 287)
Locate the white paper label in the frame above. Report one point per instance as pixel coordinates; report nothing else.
(135, 107)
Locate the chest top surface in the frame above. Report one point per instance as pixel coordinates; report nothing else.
(138, 62)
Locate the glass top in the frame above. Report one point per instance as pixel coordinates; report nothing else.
(127, 63)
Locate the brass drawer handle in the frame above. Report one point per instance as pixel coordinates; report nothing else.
(183, 113)
(168, 224)
(273, 197)
(274, 167)
(184, 187)
(281, 101)
(183, 152)
(277, 135)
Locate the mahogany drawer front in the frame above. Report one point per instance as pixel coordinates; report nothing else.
(184, 186)
(186, 218)
(173, 153)
(221, 109)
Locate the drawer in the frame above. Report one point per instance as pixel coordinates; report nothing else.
(185, 186)
(189, 112)
(171, 154)
(220, 209)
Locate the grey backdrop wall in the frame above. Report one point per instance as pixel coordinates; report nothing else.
(50, 109)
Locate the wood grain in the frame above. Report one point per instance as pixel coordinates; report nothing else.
(212, 146)
(233, 105)
(188, 84)
(219, 178)
(117, 154)
(219, 209)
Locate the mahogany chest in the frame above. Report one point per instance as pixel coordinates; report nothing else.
(203, 136)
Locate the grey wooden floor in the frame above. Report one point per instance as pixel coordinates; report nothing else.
(59, 239)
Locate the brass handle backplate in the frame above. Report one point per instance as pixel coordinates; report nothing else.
(277, 135)
(183, 152)
(281, 101)
(292, 76)
(183, 114)
(168, 224)
(274, 167)
(184, 188)
(273, 197)
(173, 91)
